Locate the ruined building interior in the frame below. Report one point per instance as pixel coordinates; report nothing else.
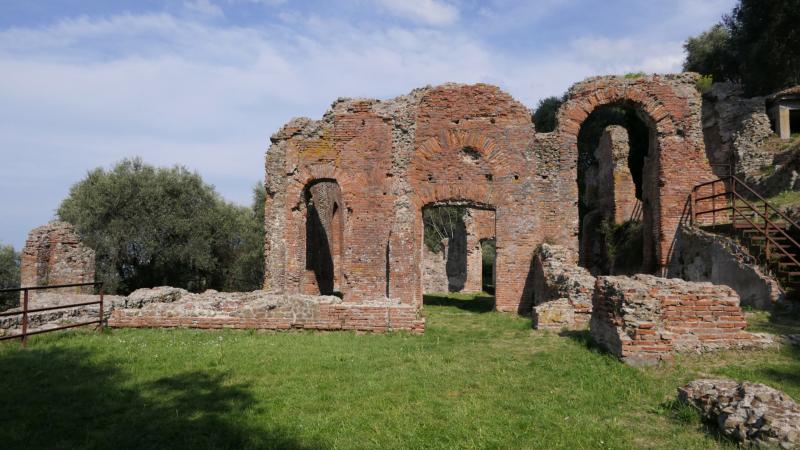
(571, 223)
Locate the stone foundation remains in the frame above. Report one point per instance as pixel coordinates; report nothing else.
(562, 292)
(54, 254)
(751, 413)
(645, 319)
(168, 307)
(263, 310)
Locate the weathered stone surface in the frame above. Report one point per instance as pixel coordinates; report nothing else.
(479, 226)
(703, 256)
(145, 296)
(51, 319)
(751, 413)
(735, 128)
(562, 293)
(612, 189)
(434, 269)
(645, 319)
(265, 310)
(54, 254)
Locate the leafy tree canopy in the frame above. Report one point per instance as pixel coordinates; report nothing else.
(545, 115)
(164, 226)
(757, 44)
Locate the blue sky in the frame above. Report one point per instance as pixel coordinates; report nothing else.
(204, 83)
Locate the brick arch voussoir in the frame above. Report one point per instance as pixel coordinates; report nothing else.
(455, 140)
(577, 109)
(315, 172)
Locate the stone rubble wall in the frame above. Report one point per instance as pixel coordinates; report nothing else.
(562, 292)
(434, 269)
(645, 319)
(168, 307)
(50, 319)
(736, 127)
(702, 256)
(752, 413)
(269, 311)
(54, 254)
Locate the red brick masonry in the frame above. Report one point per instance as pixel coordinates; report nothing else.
(645, 319)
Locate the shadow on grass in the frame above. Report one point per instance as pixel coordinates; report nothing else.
(480, 303)
(687, 415)
(784, 374)
(62, 399)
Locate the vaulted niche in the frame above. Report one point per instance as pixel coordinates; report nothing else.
(613, 174)
(323, 232)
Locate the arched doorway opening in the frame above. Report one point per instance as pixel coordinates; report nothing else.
(324, 224)
(616, 170)
(453, 256)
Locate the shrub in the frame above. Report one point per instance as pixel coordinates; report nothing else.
(163, 226)
(9, 276)
(704, 83)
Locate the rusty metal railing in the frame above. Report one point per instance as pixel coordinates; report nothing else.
(25, 311)
(727, 202)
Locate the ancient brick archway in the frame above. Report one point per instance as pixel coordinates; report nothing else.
(468, 144)
(470, 168)
(670, 106)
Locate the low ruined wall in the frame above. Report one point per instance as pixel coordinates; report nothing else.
(562, 291)
(263, 310)
(645, 319)
(702, 256)
(167, 307)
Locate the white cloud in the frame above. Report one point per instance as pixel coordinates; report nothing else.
(619, 56)
(431, 12)
(88, 91)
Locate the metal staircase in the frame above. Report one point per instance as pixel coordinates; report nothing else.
(727, 205)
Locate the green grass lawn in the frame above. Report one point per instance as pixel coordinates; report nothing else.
(475, 379)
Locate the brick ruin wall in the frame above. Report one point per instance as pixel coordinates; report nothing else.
(54, 254)
(646, 319)
(471, 145)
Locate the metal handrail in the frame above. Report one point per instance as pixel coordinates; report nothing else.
(25, 310)
(769, 225)
(742, 183)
